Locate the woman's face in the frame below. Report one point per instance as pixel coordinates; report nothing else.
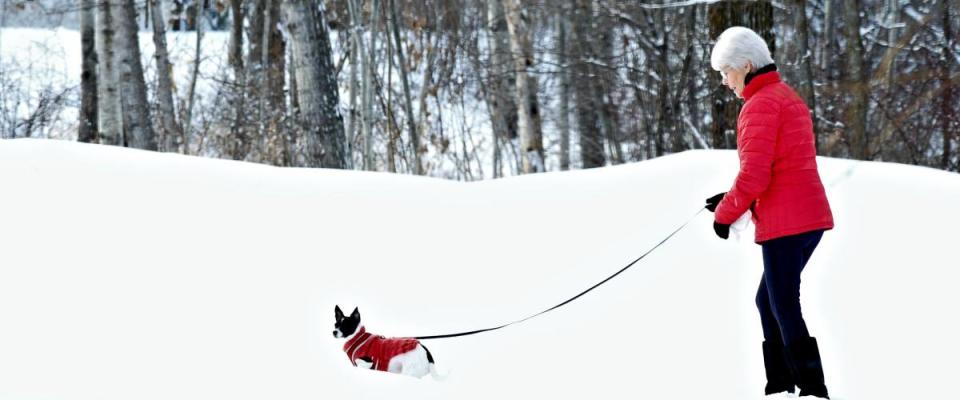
(733, 78)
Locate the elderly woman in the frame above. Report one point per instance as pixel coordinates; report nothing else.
(778, 181)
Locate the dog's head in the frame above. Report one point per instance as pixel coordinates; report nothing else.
(345, 325)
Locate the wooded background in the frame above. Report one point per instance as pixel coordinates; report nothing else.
(483, 89)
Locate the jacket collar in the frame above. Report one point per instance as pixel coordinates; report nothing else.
(758, 79)
(356, 341)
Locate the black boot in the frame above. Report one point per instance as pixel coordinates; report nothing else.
(804, 356)
(779, 378)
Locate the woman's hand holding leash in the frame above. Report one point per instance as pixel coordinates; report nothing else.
(722, 230)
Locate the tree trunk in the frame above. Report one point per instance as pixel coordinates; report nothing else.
(367, 65)
(408, 102)
(499, 82)
(665, 116)
(605, 84)
(110, 113)
(564, 112)
(317, 84)
(138, 131)
(805, 85)
(352, 127)
(856, 84)
(502, 78)
(948, 115)
(88, 77)
(528, 109)
(191, 93)
(171, 131)
(591, 140)
(255, 17)
(271, 87)
(756, 15)
(238, 143)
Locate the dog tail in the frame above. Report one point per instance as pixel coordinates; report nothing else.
(429, 355)
(433, 366)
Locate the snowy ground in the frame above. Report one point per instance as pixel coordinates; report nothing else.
(136, 275)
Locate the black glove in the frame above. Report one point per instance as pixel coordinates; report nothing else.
(714, 201)
(722, 230)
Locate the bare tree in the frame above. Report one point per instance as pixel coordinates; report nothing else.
(317, 90)
(110, 113)
(805, 86)
(528, 107)
(404, 79)
(591, 140)
(855, 83)
(563, 114)
(272, 102)
(194, 75)
(948, 113)
(237, 142)
(366, 53)
(137, 130)
(88, 76)
(500, 84)
(171, 133)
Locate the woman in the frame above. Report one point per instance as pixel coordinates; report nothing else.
(778, 181)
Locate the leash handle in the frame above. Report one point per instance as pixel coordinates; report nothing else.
(474, 332)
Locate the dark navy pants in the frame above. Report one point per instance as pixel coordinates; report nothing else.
(779, 296)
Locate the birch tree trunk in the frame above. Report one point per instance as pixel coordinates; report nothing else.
(317, 85)
(367, 65)
(502, 80)
(171, 131)
(564, 112)
(353, 83)
(528, 108)
(88, 77)
(138, 132)
(110, 116)
(369, 70)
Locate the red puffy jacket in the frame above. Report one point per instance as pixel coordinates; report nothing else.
(778, 176)
(376, 348)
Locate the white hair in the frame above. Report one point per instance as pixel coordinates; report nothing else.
(738, 45)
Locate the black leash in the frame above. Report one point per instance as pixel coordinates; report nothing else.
(450, 335)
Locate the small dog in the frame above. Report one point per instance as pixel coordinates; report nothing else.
(398, 355)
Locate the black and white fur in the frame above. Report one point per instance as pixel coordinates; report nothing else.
(416, 363)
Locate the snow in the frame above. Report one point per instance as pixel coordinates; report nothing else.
(127, 274)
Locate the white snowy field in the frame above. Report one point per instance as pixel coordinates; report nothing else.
(127, 274)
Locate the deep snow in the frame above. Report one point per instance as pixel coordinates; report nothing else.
(127, 274)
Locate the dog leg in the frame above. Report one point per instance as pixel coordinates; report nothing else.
(365, 363)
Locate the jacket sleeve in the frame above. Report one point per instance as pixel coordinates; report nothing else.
(760, 122)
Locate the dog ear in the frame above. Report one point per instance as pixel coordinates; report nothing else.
(356, 313)
(337, 313)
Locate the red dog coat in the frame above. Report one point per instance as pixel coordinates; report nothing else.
(377, 348)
